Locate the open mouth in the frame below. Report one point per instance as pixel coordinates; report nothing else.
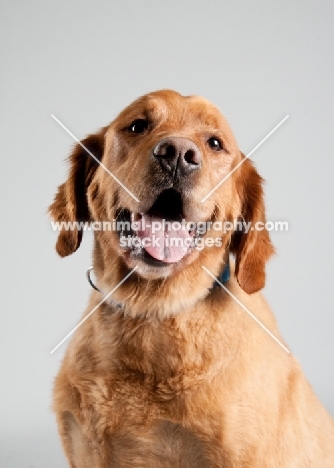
(161, 235)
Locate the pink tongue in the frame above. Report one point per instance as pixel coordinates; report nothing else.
(161, 240)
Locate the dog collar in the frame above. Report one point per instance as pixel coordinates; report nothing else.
(90, 281)
(225, 274)
(223, 278)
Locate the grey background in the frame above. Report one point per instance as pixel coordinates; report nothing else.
(84, 61)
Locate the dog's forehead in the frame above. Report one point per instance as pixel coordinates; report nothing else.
(167, 105)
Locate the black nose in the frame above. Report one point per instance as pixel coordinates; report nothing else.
(176, 154)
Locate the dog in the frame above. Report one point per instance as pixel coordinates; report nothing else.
(169, 370)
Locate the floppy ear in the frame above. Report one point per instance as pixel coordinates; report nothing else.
(252, 249)
(70, 202)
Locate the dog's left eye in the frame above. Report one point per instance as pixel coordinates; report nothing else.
(138, 126)
(215, 144)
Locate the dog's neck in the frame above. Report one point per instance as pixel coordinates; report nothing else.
(222, 278)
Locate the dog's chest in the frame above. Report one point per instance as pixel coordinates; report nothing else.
(141, 423)
(162, 444)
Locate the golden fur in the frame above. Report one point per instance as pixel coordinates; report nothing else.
(179, 375)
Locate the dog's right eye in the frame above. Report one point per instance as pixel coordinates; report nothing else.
(138, 126)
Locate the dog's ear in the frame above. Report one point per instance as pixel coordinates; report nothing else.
(70, 202)
(252, 249)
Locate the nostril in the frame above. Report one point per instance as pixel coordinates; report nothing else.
(191, 157)
(166, 150)
(170, 151)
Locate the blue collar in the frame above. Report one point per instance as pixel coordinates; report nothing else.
(225, 274)
(223, 278)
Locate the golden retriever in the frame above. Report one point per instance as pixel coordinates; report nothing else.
(169, 371)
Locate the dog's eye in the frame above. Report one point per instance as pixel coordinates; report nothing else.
(138, 126)
(215, 144)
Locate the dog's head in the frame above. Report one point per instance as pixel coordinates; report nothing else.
(159, 160)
